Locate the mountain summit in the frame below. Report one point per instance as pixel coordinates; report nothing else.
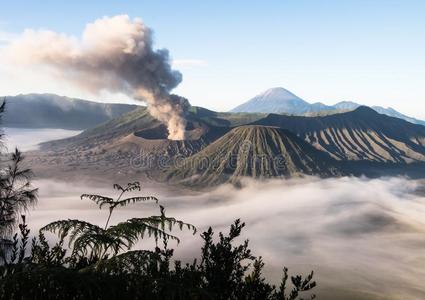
(281, 101)
(278, 100)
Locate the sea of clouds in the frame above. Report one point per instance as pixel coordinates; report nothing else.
(29, 139)
(359, 235)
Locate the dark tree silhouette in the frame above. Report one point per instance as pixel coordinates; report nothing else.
(16, 194)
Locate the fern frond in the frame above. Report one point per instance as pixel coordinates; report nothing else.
(98, 199)
(98, 243)
(73, 228)
(89, 239)
(132, 186)
(134, 229)
(118, 187)
(124, 202)
(168, 223)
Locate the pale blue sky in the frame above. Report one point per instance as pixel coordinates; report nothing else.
(371, 52)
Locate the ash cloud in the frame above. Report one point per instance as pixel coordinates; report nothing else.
(114, 54)
(364, 238)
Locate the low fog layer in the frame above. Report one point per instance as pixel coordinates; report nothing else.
(359, 235)
(28, 139)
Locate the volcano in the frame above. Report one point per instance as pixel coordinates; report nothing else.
(300, 145)
(253, 151)
(120, 144)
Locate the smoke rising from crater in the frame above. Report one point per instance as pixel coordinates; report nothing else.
(114, 54)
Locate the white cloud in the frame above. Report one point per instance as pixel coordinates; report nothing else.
(357, 234)
(6, 37)
(29, 139)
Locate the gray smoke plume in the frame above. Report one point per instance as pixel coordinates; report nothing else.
(114, 54)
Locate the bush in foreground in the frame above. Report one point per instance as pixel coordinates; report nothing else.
(100, 262)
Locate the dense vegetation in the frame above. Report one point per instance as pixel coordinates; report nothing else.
(88, 261)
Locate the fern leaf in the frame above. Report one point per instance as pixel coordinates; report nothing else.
(71, 228)
(98, 199)
(98, 243)
(118, 187)
(133, 186)
(124, 202)
(134, 229)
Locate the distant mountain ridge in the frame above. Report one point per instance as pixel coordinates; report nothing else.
(279, 100)
(348, 105)
(53, 111)
(361, 134)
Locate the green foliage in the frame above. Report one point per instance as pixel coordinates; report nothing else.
(96, 243)
(19, 246)
(101, 265)
(139, 274)
(16, 195)
(102, 200)
(224, 259)
(224, 266)
(299, 285)
(43, 254)
(133, 186)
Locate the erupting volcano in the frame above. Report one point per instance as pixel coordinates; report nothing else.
(114, 54)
